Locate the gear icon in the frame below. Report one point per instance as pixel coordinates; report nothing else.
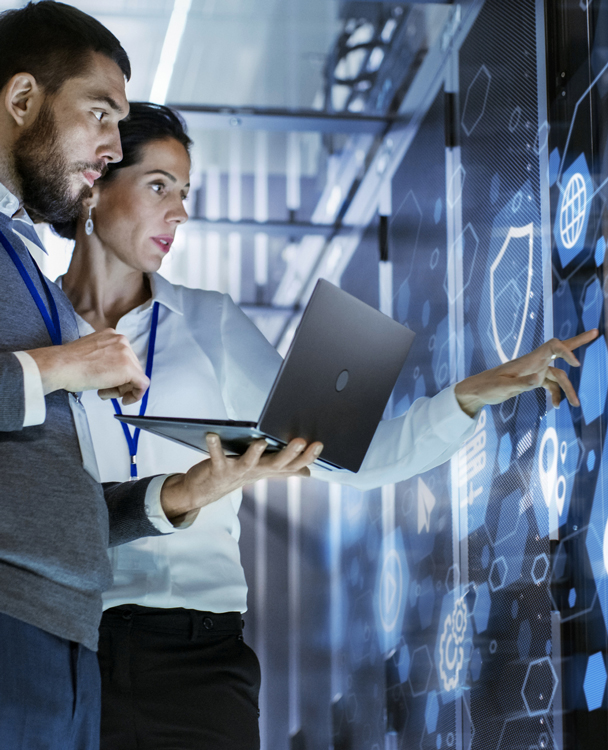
(451, 645)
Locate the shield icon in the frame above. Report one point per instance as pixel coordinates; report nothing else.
(510, 293)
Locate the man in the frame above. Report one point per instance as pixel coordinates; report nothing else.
(62, 77)
(62, 93)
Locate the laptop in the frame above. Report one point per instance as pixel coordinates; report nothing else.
(333, 386)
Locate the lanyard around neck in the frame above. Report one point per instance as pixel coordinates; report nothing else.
(51, 321)
(133, 440)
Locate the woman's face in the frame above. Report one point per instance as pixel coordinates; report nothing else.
(138, 211)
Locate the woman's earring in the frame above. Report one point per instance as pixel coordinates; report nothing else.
(89, 226)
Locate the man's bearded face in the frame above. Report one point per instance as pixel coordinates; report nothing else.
(45, 173)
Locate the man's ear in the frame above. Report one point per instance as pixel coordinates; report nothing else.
(23, 98)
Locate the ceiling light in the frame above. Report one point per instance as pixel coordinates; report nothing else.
(362, 35)
(333, 202)
(350, 65)
(357, 105)
(375, 59)
(388, 30)
(168, 55)
(339, 97)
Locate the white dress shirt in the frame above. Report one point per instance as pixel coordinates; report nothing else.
(35, 405)
(212, 362)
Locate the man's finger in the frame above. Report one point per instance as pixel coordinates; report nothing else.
(133, 395)
(130, 392)
(556, 375)
(107, 393)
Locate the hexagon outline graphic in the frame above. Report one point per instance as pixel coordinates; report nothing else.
(520, 718)
(456, 186)
(588, 303)
(495, 562)
(482, 71)
(497, 542)
(539, 579)
(531, 665)
(431, 712)
(515, 119)
(563, 616)
(471, 230)
(542, 138)
(415, 694)
(481, 610)
(455, 571)
(513, 233)
(594, 382)
(596, 540)
(411, 195)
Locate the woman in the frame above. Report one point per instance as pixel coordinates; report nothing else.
(175, 670)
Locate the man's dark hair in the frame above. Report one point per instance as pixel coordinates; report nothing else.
(146, 123)
(53, 41)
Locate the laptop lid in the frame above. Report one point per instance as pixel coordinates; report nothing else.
(337, 377)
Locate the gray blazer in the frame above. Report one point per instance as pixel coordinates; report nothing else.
(56, 522)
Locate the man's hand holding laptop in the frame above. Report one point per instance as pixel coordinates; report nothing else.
(184, 494)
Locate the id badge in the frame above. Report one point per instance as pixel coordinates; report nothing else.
(83, 431)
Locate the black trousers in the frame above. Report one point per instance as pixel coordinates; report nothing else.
(176, 679)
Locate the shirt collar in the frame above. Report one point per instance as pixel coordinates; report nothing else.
(164, 293)
(11, 207)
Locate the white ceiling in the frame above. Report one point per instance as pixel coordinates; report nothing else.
(238, 52)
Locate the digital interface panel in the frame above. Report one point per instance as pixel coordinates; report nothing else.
(468, 607)
(578, 178)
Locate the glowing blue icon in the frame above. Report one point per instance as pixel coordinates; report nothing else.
(452, 646)
(426, 503)
(594, 381)
(600, 251)
(509, 300)
(431, 713)
(481, 611)
(392, 584)
(573, 211)
(597, 535)
(505, 449)
(595, 681)
(573, 215)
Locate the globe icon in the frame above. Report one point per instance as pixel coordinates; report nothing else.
(573, 211)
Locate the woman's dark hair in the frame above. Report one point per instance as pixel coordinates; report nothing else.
(53, 41)
(146, 123)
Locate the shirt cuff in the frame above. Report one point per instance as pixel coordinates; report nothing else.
(153, 506)
(35, 405)
(448, 420)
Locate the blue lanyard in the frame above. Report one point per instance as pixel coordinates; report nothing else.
(133, 440)
(51, 321)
